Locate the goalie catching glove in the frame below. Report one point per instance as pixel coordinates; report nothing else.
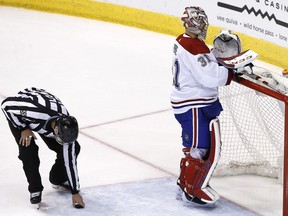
(226, 44)
(227, 50)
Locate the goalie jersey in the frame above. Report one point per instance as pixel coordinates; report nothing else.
(196, 75)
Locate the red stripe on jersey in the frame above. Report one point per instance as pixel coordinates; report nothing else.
(194, 46)
(194, 100)
(195, 128)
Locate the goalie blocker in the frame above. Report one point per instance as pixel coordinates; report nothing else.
(195, 173)
(241, 62)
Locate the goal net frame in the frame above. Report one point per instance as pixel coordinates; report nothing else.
(284, 98)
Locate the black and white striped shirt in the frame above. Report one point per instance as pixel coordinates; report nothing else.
(34, 108)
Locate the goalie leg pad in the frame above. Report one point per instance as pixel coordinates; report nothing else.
(215, 149)
(181, 178)
(198, 172)
(183, 165)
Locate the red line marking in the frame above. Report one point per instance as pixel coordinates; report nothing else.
(127, 153)
(125, 119)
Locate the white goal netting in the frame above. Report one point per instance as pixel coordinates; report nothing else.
(252, 132)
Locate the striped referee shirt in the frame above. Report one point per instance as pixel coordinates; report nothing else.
(35, 108)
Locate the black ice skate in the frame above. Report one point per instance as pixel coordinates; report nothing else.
(62, 187)
(35, 197)
(196, 201)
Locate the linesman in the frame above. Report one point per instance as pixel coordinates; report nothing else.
(35, 110)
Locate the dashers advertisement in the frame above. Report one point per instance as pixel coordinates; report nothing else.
(263, 19)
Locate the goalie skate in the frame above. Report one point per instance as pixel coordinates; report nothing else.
(197, 202)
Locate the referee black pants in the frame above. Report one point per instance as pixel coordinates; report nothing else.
(31, 162)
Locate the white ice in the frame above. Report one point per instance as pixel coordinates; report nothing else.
(116, 80)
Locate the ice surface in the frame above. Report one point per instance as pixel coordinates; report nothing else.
(116, 81)
(147, 197)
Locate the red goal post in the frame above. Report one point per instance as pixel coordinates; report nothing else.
(262, 165)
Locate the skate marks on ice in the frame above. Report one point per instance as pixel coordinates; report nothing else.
(147, 197)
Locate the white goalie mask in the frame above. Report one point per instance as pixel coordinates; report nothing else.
(226, 44)
(195, 20)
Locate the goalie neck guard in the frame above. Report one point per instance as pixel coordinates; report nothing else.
(226, 44)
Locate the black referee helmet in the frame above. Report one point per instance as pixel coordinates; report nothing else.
(66, 129)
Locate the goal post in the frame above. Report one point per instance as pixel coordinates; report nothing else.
(254, 131)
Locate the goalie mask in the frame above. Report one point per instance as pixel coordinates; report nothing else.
(226, 44)
(66, 129)
(195, 20)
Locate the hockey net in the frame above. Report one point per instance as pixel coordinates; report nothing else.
(252, 129)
